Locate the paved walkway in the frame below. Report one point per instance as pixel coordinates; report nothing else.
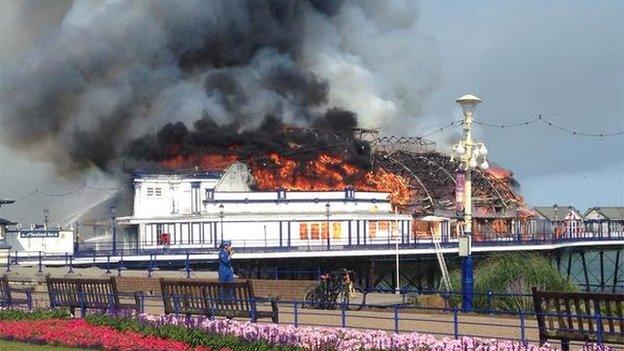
(409, 319)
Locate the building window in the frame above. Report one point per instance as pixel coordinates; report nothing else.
(303, 231)
(314, 232)
(324, 230)
(195, 197)
(382, 227)
(150, 192)
(209, 194)
(158, 191)
(349, 192)
(372, 229)
(336, 230)
(394, 228)
(281, 194)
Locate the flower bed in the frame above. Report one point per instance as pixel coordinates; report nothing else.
(148, 332)
(315, 338)
(80, 333)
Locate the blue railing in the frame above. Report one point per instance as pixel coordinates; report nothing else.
(273, 246)
(519, 325)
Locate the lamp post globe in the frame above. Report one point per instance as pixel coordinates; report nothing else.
(468, 103)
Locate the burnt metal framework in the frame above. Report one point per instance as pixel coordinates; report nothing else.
(432, 174)
(600, 269)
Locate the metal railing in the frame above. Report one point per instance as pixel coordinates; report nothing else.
(449, 321)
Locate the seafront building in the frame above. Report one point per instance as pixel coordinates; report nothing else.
(200, 210)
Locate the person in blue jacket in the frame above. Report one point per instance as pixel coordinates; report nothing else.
(226, 273)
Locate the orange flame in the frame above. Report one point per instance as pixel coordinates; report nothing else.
(204, 162)
(326, 173)
(498, 173)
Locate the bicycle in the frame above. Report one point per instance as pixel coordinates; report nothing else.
(336, 292)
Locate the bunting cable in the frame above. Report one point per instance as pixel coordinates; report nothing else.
(548, 123)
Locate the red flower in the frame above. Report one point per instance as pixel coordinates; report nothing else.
(79, 333)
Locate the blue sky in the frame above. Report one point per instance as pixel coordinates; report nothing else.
(561, 59)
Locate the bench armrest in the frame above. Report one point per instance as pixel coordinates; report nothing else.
(139, 298)
(274, 307)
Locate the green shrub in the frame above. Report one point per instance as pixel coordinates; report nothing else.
(14, 315)
(512, 273)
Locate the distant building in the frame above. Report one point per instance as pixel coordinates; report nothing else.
(202, 209)
(605, 220)
(566, 220)
(31, 241)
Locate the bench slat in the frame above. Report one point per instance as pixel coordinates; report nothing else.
(212, 298)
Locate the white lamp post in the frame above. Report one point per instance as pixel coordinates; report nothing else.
(471, 155)
(395, 233)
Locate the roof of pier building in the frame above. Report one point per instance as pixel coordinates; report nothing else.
(558, 213)
(613, 213)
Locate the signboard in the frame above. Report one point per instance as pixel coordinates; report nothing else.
(39, 234)
(464, 246)
(460, 187)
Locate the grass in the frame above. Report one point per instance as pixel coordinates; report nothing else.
(18, 346)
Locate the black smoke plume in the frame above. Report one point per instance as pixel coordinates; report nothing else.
(332, 133)
(111, 72)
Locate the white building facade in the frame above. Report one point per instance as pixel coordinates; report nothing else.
(32, 241)
(201, 210)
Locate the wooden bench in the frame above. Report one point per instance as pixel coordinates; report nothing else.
(7, 299)
(212, 298)
(585, 317)
(97, 294)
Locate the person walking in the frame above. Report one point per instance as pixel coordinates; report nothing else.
(226, 273)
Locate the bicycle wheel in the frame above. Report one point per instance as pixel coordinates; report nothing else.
(312, 297)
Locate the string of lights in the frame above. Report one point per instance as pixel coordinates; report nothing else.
(441, 129)
(527, 122)
(541, 119)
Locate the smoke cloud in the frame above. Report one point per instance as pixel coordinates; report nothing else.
(110, 74)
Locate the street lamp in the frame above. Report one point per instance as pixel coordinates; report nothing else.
(471, 154)
(395, 233)
(555, 208)
(113, 214)
(221, 217)
(327, 209)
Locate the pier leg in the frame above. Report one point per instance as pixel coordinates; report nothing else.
(602, 278)
(582, 253)
(616, 270)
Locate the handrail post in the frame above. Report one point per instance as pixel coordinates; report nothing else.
(108, 264)
(149, 267)
(120, 265)
(111, 307)
(71, 261)
(599, 329)
(83, 307)
(176, 304)
(455, 323)
(40, 263)
(296, 314)
(343, 315)
(187, 266)
(396, 318)
(522, 327)
(29, 299)
(490, 302)
(142, 302)
(8, 267)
